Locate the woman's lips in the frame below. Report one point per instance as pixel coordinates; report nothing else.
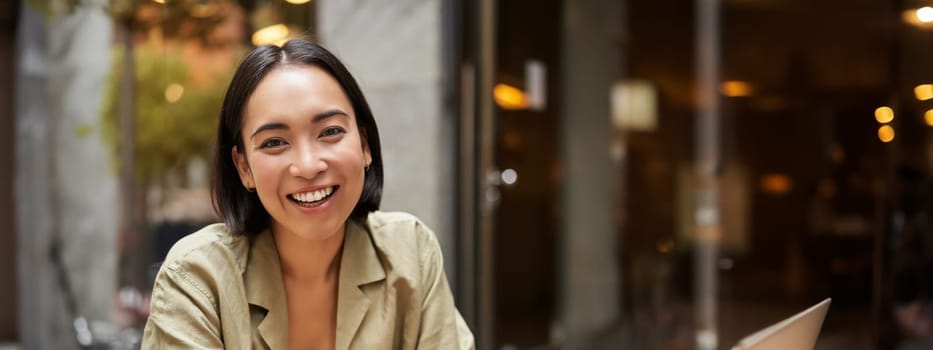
(315, 198)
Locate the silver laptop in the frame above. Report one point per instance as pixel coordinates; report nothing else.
(798, 332)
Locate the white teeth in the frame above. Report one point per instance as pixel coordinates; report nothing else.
(315, 196)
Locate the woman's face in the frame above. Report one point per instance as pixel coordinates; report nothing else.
(302, 151)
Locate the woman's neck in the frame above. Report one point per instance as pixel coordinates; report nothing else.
(308, 260)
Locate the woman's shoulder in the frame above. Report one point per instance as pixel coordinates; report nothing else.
(380, 219)
(409, 252)
(204, 250)
(401, 236)
(399, 227)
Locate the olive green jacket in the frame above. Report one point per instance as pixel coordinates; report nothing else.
(216, 290)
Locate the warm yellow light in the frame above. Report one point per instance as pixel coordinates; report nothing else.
(275, 34)
(174, 92)
(297, 2)
(509, 97)
(923, 92)
(159, 1)
(775, 183)
(886, 133)
(925, 14)
(884, 114)
(918, 17)
(928, 117)
(736, 88)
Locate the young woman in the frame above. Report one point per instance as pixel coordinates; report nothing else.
(303, 259)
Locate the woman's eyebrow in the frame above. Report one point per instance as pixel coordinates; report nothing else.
(269, 126)
(282, 126)
(328, 114)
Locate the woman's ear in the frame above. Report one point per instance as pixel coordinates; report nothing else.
(367, 156)
(242, 168)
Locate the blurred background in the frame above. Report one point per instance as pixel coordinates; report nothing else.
(664, 174)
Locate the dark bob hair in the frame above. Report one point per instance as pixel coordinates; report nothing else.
(241, 209)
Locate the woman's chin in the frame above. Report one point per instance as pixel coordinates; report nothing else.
(316, 231)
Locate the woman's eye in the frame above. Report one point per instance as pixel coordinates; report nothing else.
(272, 143)
(331, 131)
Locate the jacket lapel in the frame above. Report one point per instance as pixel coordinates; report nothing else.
(264, 289)
(359, 266)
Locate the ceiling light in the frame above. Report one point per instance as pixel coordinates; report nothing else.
(736, 88)
(925, 14)
(275, 34)
(884, 114)
(923, 92)
(886, 133)
(509, 97)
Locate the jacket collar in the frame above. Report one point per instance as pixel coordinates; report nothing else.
(359, 266)
(264, 288)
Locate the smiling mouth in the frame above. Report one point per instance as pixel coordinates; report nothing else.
(313, 198)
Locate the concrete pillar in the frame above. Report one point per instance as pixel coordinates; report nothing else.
(393, 48)
(591, 287)
(64, 182)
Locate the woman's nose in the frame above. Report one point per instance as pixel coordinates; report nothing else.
(307, 163)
